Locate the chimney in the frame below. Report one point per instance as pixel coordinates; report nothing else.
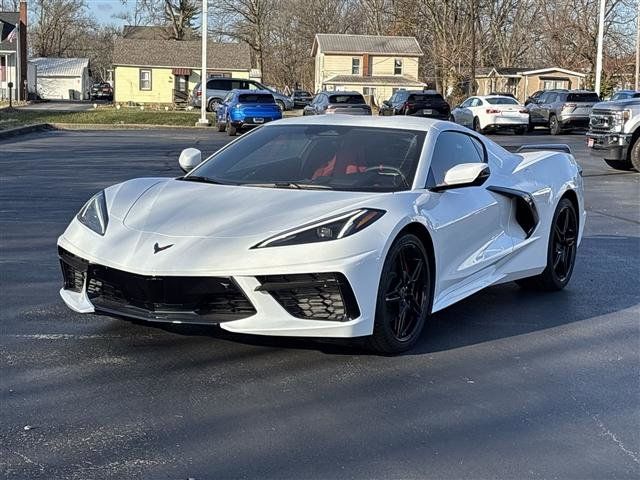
(22, 51)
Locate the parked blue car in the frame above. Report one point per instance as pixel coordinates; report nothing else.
(242, 109)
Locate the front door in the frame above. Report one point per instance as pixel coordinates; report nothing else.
(181, 89)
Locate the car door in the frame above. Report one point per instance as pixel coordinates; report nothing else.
(468, 222)
(223, 107)
(459, 112)
(546, 106)
(386, 107)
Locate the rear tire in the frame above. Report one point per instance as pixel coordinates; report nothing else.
(212, 104)
(404, 297)
(561, 251)
(554, 125)
(520, 130)
(221, 127)
(231, 130)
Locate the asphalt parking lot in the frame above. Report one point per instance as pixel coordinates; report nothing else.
(505, 384)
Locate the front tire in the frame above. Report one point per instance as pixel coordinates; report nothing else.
(404, 297)
(624, 165)
(554, 125)
(281, 105)
(520, 130)
(561, 251)
(212, 104)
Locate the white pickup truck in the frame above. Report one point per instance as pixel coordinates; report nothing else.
(614, 133)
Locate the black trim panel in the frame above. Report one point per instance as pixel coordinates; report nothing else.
(526, 212)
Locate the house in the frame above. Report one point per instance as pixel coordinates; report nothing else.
(166, 71)
(13, 53)
(62, 78)
(370, 64)
(522, 82)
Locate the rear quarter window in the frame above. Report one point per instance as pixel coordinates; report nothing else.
(346, 99)
(582, 97)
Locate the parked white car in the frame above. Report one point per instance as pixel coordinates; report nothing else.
(491, 112)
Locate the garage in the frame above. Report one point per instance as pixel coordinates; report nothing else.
(62, 78)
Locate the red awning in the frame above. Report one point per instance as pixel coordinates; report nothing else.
(181, 71)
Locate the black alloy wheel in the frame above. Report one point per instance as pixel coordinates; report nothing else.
(476, 125)
(565, 239)
(561, 251)
(404, 297)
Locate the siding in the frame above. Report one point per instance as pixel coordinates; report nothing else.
(127, 84)
(338, 65)
(384, 66)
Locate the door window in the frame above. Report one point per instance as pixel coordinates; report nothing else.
(219, 84)
(466, 103)
(453, 148)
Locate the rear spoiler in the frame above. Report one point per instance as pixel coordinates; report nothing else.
(559, 147)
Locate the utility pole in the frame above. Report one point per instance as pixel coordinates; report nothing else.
(204, 121)
(638, 51)
(472, 84)
(599, 52)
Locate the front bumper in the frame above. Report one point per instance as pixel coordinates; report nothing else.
(333, 301)
(611, 146)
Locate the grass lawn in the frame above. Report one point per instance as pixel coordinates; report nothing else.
(102, 116)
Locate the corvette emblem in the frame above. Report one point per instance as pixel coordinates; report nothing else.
(157, 248)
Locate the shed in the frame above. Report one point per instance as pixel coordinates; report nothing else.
(63, 78)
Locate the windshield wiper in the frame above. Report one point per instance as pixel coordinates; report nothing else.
(296, 185)
(197, 178)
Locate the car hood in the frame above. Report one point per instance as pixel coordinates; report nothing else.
(178, 208)
(617, 104)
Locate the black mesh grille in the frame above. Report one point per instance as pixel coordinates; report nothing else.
(313, 296)
(74, 270)
(187, 299)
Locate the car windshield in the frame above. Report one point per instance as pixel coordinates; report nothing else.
(349, 158)
(255, 98)
(583, 97)
(346, 99)
(501, 101)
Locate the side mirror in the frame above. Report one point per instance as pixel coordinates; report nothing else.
(464, 175)
(189, 159)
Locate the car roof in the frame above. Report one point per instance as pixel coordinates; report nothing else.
(401, 122)
(346, 92)
(245, 91)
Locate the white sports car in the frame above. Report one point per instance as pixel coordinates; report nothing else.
(491, 112)
(327, 227)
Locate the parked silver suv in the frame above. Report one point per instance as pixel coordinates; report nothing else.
(561, 110)
(614, 133)
(217, 89)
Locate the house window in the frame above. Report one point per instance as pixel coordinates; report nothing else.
(397, 66)
(355, 66)
(145, 79)
(369, 91)
(554, 83)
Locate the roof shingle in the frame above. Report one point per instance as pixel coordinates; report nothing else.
(185, 54)
(373, 44)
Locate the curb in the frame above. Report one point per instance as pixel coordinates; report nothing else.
(23, 130)
(90, 126)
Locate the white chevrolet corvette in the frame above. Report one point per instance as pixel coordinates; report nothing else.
(328, 226)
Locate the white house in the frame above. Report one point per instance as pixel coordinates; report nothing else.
(63, 78)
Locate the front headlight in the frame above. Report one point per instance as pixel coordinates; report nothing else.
(94, 214)
(332, 228)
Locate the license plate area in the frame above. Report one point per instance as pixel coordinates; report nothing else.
(591, 142)
(427, 111)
